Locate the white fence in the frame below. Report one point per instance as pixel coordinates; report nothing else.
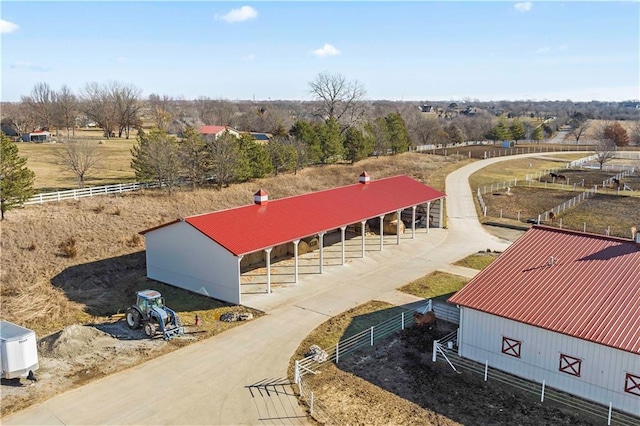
(447, 349)
(74, 194)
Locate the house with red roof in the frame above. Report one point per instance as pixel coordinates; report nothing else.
(217, 131)
(208, 253)
(562, 307)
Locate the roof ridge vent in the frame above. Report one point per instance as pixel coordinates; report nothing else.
(364, 178)
(261, 197)
(551, 261)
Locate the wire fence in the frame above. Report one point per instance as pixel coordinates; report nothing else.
(446, 350)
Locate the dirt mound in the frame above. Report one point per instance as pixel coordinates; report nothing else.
(73, 341)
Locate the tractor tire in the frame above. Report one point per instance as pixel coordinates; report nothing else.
(150, 329)
(133, 318)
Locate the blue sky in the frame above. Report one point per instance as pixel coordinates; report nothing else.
(271, 50)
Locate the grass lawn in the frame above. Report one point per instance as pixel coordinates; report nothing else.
(517, 169)
(478, 260)
(435, 284)
(51, 175)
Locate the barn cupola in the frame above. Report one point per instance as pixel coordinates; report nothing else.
(261, 197)
(364, 178)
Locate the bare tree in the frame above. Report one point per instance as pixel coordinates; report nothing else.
(340, 99)
(578, 128)
(161, 111)
(19, 115)
(41, 102)
(224, 157)
(127, 106)
(634, 137)
(156, 157)
(604, 150)
(97, 104)
(80, 158)
(65, 105)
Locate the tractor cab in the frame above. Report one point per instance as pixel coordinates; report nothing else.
(148, 299)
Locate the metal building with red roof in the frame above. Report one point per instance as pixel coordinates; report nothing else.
(560, 306)
(206, 253)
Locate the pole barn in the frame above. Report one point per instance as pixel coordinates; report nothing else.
(205, 253)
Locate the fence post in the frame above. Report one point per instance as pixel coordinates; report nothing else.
(609, 416)
(538, 219)
(58, 195)
(296, 375)
(311, 405)
(500, 213)
(485, 210)
(518, 215)
(403, 320)
(486, 370)
(560, 223)
(542, 394)
(337, 352)
(435, 349)
(75, 194)
(371, 335)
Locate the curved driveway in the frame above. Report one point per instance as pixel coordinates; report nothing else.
(239, 377)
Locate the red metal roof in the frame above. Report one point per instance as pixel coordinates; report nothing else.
(591, 290)
(256, 227)
(211, 130)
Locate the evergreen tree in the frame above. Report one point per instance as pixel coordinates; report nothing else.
(16, 180)
(517, 130)
(398, 135)
(356, 146)
(305, 132)
(537, 134)
(330, 141)
(155, 157)
(192, 151)
(377, 135)
(283, 155)
(257, 156)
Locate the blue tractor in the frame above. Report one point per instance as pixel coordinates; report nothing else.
(151, 313)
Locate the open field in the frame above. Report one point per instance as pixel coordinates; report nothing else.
(51, 175)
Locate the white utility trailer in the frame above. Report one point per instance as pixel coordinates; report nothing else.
(19, 352)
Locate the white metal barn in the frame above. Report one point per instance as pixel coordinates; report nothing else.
(205, 253)
(560, 306)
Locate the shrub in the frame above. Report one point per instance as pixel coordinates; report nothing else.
(117, 211)
(32, 247)
(69, 247)
(99, 209)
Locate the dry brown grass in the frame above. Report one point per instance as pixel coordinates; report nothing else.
(45, 291)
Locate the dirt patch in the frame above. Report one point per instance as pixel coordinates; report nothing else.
(395, 382)
(79, 354)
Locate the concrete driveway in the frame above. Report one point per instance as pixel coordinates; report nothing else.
(239, 377)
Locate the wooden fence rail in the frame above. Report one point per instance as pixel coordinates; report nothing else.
(74, 194)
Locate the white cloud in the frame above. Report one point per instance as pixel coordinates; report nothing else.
(523, 7)
(563, 47)
(7, 27)
(239, 15)
(326, 50)
(249, 57)
(29, 66)
(121, 59)
(543, 50)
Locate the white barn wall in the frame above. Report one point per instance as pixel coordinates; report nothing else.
(603, 369)
(182, 256)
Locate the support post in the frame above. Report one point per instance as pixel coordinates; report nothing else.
(342, 230)
(321, 242)
(337, 352)
(441, 221)
(413, 219)
(434, 356)
(381, 232)
(402, 316)
(268, 261)
(371, 335)
(428, 215)
(399, 212)
(486, 369)
(609, 416)
(363, 235)
(542, 394)
(296, 376)
(295, 261)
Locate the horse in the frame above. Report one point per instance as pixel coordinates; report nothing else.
(616, 182)
(553, 176)
(428, 318)
(561, 177)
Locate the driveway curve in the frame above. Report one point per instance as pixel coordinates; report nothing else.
(239, 377)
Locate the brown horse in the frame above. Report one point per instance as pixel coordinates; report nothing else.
(428, 318)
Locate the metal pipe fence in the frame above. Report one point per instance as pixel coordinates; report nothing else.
(444, 352)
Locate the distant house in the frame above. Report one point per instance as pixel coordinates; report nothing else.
(427, 109)
(39, 136)
(472, 111)
(560, 306)
(217, 131)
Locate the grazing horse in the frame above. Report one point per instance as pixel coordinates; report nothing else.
(561, 177)
(428, 319)
(616, 182)
(553, 176)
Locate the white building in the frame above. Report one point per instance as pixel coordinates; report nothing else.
(563, 307)
(206, 254)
